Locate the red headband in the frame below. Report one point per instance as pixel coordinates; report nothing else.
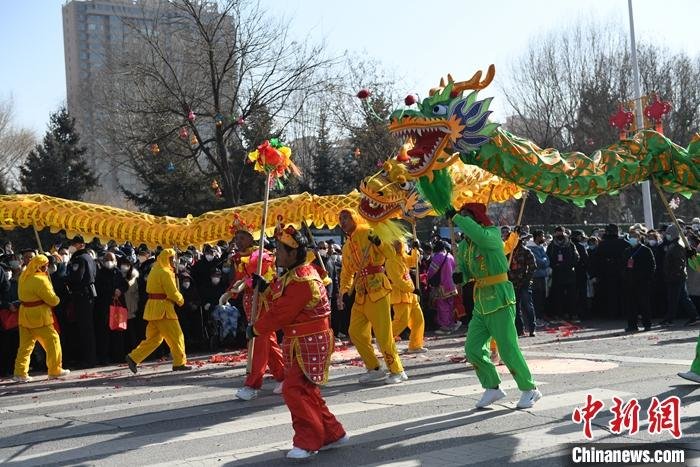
(478, 210)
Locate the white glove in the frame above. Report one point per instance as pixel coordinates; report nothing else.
(207, 306)
(223, 300)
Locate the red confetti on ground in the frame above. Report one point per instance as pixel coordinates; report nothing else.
(565, 330)
(236, 358)
(341, 347)
(197, 363)
(356, 362)
(88, 375)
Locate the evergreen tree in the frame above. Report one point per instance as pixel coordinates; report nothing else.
(58, 166)
(325, 170)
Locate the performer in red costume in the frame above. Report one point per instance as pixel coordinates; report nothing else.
(297, 303)
(266, 351)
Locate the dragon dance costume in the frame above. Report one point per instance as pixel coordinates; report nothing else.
(298, 304)
(36, 322)
(481, 256)
(363, 271)
(264, 349)
(160, 314)
(407, 310)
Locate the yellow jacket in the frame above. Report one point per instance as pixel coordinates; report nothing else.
(161, 281)
(36, 294)
(358, 255)
(398, 269)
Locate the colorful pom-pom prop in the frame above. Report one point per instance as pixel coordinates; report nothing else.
(410, 100)
(363, 94)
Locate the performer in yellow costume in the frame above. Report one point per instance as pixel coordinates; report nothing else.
(160, 314)
(407, 310)
(37, 297)
(364, 256)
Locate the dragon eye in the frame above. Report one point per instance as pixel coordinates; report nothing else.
(440, 109)
(406, 186)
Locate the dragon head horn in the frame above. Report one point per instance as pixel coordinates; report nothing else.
(475, 82)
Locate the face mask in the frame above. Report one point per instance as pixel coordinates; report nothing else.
(109, 264)
(66, 258)
(669, 238)
(180, 267)
(52, 269)
(226, 270)
(696, 227)
(186, 285)
(209, 258)
(72, 249)
(93, 255)
(14, 264)
(633, 241)
(8, 275)
(125, 267)
(652, 242)
(215, 280)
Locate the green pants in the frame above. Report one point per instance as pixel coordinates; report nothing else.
(695, 367)
(501, 326)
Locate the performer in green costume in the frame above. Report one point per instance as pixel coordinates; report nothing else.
(480, 257)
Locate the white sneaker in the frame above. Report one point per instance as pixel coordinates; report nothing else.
(22, 379)
(373, 376)
(529, 398)
(395, 378)
(336, 444)
(456, 326)
(278, 388)
(64, 372)
(417, 350)
(443, 330)
(495, 358)
(246, 393)
(299, 453)
(690, 376)
(490, 396)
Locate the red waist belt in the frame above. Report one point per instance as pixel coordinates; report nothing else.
(157, 296)
(371, 270)
(32, 304)
(304, 329)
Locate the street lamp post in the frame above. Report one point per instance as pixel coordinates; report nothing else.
(646, 190)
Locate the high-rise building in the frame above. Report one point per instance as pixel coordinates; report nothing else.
(92, 29)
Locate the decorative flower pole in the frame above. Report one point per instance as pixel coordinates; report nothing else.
(274, 159)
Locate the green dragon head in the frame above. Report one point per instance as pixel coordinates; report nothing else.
(389, 194)
(445, 123)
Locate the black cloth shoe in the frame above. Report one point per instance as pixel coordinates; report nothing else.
(666, 323)
(631, 329)
(132, 364)
(692, 321)
(182, 368)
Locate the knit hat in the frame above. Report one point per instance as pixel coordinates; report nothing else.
(478, 210)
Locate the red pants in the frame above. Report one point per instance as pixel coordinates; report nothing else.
(266, 352)
(314, 425)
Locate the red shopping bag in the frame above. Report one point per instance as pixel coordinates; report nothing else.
(118, 317)
(8, 319)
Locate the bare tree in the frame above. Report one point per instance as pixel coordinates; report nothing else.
(568, 83)
(15, 144)
(222, 62)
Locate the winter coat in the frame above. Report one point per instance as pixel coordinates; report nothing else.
(563, 259)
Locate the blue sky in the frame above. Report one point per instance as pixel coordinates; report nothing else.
(417, 40)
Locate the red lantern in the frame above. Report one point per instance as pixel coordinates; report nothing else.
(656, 110)
(410, 100)
(240, 121)
(184, 132)
(621, 120)
(363, 94)
(191, 116)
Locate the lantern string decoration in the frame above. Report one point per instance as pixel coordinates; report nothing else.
(183, 133)
(218, 119)
(272, 157)
(155, 149)
(357, 152)
(191, 116)
(193, 140)
(622, 119)
(216, 188)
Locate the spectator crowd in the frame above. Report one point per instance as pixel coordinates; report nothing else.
(637, 275)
